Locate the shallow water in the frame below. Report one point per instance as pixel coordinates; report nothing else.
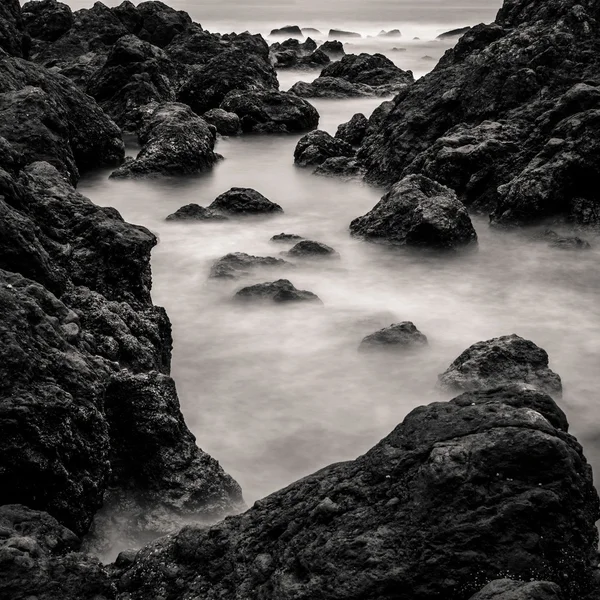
(275, 393)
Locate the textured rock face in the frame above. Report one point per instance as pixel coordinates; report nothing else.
(12, 40)
(244, 201)
(280, 291)
(227, 123)
(310, 249)
(195, 212)
(508, 359)
(507, 589)
(45, 117)
(271, 112)
(317, 146)
(503, 118)
(353, 132)
(459, 494)
(47, 20)
(155, 22)
(175, 141)
(417, 212)
(285, 238)
(398, 337)
(335, 49)
(239, 264)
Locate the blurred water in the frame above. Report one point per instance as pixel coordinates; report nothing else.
(275, 393)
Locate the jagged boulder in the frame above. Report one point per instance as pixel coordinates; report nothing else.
(175, 141)
(417, 212)
(333, 49)
(271, 112)
(507, 359)
(12, 40)
(244, 202)
(281, 291)
(227, 123)
(317, 146)
(353, 132)
(398, 337)
(47, 20)
(239, 264)
(195, 212)
(156, 22)
(374, 70)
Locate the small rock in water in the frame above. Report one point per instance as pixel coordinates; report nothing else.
(239, 264)
(310, 249)
(454, 33)
(227, 123)
(394, 33)
(566, 242)
(286, 237)
(353, 132)
(312, 31)
(287, 31)
(338, 34)
(195, 212)
(277, 291)
(317, 146)
(244, 201)
(398, 337)
(333, 49)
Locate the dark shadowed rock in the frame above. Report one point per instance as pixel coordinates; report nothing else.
(353, 132)
(135, 74)
(271, 112)
(310, 249)
(339, 34)
(453, 33)
(244, 201)
(288, 31)
(175, 141)
(417, 212)
(286, 238)
(375, 70)
(159, 23)
(238, 264)
(45, 117)
(278, 291)
(500, 361)
(564, 242)
(334, 87)
(333, 49)
(195, 212)
(46, 20)
(508, 589)
(399, 337)
(317, 146)
(12, 40)
(341, 166)
(227, 123)
(460, 489)
(292, 54)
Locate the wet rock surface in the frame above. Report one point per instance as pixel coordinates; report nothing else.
(417, 212)
(227, 123)
(353, 132)
(280, 291)
(310, 249)
(239, 264)
(195, 212)
(397, 338)
(317, 146)
(244, 201)
(286, 238)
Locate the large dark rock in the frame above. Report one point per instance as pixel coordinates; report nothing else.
(521, 94)
(175, 141)
(135, 73)
(239, 264)
(289, 31)
(353, 132)
(233, 70)
(158, 23)
(459, 494)
(271, 112)
(399, 337)
(45, 117)
(335, 87)
(244, 202)
(47, 20)
(317, 146)
(291, 54)
(281, 291)
(195, 212)
(12, 40)
(509, 589)
(507, 359)
(417, 212)
(227, 123)
(333, 49)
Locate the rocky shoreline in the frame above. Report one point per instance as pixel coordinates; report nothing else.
(484, 497)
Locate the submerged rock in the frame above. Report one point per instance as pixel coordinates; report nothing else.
(417, 212)
(399, 337)
(310, 249)
(227, 123)
(286, 238)
(339, 34)
(288, 30)
(276, 291)
(244, 201)
(504, 360)
(353, 132)
(195, 212)
(175, 141)
(392, 33)
(453, 33)
(239, 264)
(317, 146)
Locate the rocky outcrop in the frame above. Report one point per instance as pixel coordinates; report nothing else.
(353, 132)
(453, 33)
(45, 117)
(174, 141)
(340, 34)
(12, 40)
(288, 31)
(195, 212)
(317, 146)
(508, 359)
(280, 291)
(333, 49)
(46, 20)
(227, 123)
(481, 487)
(244, 202)
(271, 112)
(509, 589)
(310, 249)
(291, 54)
(239, 264)
(417, 212)
(399, 337)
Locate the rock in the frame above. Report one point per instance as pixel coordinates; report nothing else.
(238, 264)
(500, 361)
(333, 49)
(393, 33)
(227, 123)
(417, 212)
(45, 117)
(338, 34)
(158, 23)
(244, 202)
(353, 132)
(317, 60)
(287, 31)
(174, 141)
(271, 112)
(398, 49)
(312, 32)
(317, 146)
(508, 589)
(334, 87)
(135, 74)
(277, 291)
(46, 20)
(399, 337)
(291, 54)
(12, 40)
(570, 243)
(453, 33)
(195, 212)
(457, 495)
(286, 237)
(340, 166)
(233, 70)
(310, 249)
